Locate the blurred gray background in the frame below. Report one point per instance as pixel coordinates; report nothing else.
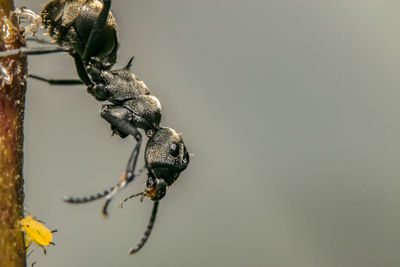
(291, 108)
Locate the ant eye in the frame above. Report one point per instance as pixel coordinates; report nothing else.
(174, 150)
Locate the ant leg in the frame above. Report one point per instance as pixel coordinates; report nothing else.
(96, 30)
(147, 233)
(34, 51)
(40, 40)
(118, 118)
(81, 70)
(79, 200)
(57, 82)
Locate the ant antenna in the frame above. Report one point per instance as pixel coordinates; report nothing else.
(79, 200)
(147, 233)
(126, 178)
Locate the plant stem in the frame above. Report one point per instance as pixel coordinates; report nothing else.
(12, 97)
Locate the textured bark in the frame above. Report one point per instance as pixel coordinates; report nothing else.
(12, 96)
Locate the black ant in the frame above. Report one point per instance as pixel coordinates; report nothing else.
(88, 32)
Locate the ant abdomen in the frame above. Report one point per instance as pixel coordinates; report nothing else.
(70, 23)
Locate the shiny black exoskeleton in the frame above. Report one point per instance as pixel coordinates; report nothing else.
(87, 30)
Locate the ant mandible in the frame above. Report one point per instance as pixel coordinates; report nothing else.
(87, 30)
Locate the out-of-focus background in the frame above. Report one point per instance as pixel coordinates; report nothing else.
(292, 109)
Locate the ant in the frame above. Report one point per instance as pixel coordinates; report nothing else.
(87, 30)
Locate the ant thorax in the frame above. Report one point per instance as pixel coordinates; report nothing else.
(123, 84)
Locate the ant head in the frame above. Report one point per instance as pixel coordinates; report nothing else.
(166, 155)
